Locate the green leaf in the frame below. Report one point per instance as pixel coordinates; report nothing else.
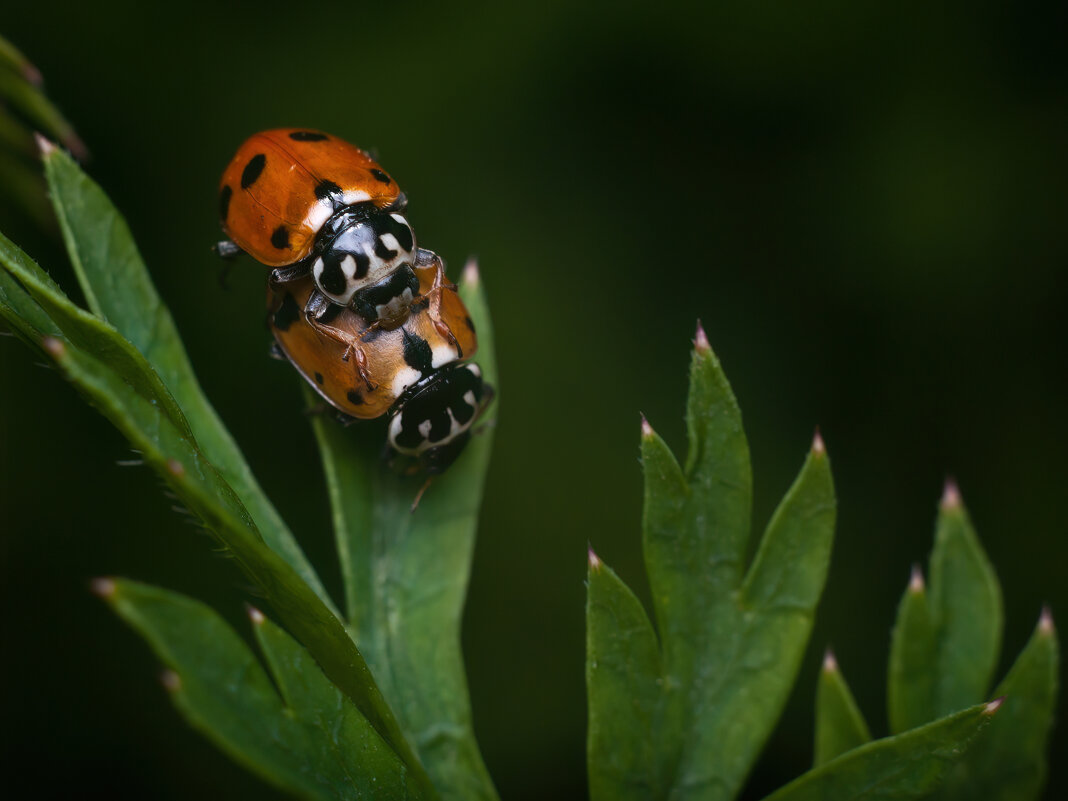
(118, 289)
(947, 640)
(127, 401)
(311, 741)
(1009, 762)
(406, 577)
(913, 660)
(624, 678)
(966, 606)
(840, 726)
(907, 766)
(731, 642)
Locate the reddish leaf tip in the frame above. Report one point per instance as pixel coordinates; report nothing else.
(31, 74)
(994, 706)
(593, 559)
(950, 495)
(175, 468)
(916, 582)
(44, 145)
(54, 347)
(819, 448)
(171, 681)
(830, 663)
(103, 587)
(471, 275)
(1045, 621)
(647, 430)
(700, 340)
(255, 615)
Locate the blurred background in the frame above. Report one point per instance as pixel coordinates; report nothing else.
(863, 203)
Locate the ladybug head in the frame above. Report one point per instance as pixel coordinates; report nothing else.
(429, 428)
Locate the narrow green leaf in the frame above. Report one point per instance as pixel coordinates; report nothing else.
(12, 57)
(174, 455)
(90, 333)
(913, 660)
(1009, 762)
(966, 607)
(906, 766)
(624, 682)
(840, 726)
(118, 288)
(311, 742)
(406, 577)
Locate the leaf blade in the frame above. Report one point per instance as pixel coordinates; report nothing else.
(118, 288)
(906, 766)
(913, 662)
(840, 726)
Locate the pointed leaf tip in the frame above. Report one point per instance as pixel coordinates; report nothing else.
(818, 446)
(471, 275)
(647, 430)
(171, 681)
(593, 559)
(53, 347)
(950, 495)
(1045, 621)
(916, 582)
(255, 615)
(700, 340)
(994, 706)
(103, 587)
(44, 145)
(830, 663)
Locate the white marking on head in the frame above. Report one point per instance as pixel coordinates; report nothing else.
(469, 399)
(424, 429)
(318, 214)
(354, 196)
(474, 369)
(348, 266)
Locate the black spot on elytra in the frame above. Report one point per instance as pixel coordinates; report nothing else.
(252, 170)
(224, 201)
(417, 353)
(355, 398)
(308, 136)
(380, 176)
(280, 237)
(287, 314)
(332, 278)
(470, 324)
(330, 314)
(319, 378)
(327, 189)
(373, 334)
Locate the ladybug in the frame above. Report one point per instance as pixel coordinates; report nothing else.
(413, 374)
(309, 204)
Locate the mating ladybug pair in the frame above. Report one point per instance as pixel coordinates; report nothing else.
(366, 316)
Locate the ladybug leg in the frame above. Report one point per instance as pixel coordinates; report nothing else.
(286, 275)
(317, 307)
(433, 295)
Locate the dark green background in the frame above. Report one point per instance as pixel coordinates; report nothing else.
(864, 204)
